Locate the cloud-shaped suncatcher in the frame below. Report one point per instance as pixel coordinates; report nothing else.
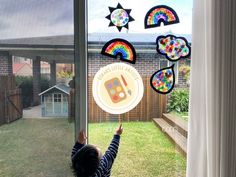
(119, 17)
(174, 48)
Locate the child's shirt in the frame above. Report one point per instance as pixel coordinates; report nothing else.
(104, 169)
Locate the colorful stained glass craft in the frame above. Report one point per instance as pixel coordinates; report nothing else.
(163, 80)
(120, 47)
(159, 14)
(174, 48)
(119, 17)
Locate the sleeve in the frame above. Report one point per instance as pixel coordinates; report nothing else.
(75, 149)
(110, 155)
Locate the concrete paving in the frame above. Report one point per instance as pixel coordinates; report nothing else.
(35, 113)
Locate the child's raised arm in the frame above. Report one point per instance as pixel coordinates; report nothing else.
(80, 143)
(112, 150)
(119, 130)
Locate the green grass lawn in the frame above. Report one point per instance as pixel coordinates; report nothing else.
(41, 148)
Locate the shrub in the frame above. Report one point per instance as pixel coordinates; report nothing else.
(65, 74)
(26, 85)
(185, 70)
(178, 101)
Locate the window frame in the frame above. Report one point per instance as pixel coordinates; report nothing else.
(80, 46)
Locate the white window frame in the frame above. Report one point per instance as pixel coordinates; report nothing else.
(80, 40)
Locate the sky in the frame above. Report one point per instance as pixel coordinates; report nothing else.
(98, 12)
(35, 18)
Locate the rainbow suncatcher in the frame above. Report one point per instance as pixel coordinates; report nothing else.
(120, 47)
(159, 14)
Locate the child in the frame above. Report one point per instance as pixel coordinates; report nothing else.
(87, 160)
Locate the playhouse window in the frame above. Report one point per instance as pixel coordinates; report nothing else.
(65, 98)
(57, 97)
(48, 98)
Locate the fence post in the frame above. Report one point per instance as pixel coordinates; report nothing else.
(6, 108)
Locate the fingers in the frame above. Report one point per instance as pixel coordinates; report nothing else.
(84, 135)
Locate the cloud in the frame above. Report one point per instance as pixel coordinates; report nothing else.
(31, 18)
(174, 48)
(98, 10)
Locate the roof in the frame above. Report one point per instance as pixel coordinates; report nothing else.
(68, 40)
(132, 37)
(17, 66)
(61, 48)
(62, 87)
(47, 40)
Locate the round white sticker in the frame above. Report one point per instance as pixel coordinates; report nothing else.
(117, 88)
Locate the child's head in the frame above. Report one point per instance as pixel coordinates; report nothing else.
(86, 161)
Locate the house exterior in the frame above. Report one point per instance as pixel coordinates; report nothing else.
(22, 69)
(54, 101)
(148, 61)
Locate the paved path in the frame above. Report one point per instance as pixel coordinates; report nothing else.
(34, 113)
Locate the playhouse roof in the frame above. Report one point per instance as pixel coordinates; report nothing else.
(62, 87)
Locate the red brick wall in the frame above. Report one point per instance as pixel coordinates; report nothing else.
(5, 63)
(146, 64)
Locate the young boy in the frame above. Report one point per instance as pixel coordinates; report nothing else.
(87, 160)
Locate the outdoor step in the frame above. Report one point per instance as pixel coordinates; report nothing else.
(176, 137)
(178, 123)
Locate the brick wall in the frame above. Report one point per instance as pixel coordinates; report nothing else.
(146, 64)
(5, 63)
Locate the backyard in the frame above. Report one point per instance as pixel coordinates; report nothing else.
(41, 148)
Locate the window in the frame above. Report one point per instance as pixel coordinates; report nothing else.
(101, 122)
(65, 98)
(57, 97)
(34, 31)
(48, 98)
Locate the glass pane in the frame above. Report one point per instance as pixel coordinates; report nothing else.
(65, 108)
(36, 61)
(57, 108)
(57, 97)
(65, 98)
(115, 83)
(48, 98)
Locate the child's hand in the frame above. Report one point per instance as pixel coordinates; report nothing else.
(82, 137)
(119, 130)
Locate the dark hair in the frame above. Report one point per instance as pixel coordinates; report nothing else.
(86, 161)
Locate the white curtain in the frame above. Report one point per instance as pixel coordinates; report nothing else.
(212, 125)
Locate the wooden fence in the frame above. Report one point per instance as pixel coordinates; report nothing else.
(10, 100)
(152, 105)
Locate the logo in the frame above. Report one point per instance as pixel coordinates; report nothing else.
(117, 88)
